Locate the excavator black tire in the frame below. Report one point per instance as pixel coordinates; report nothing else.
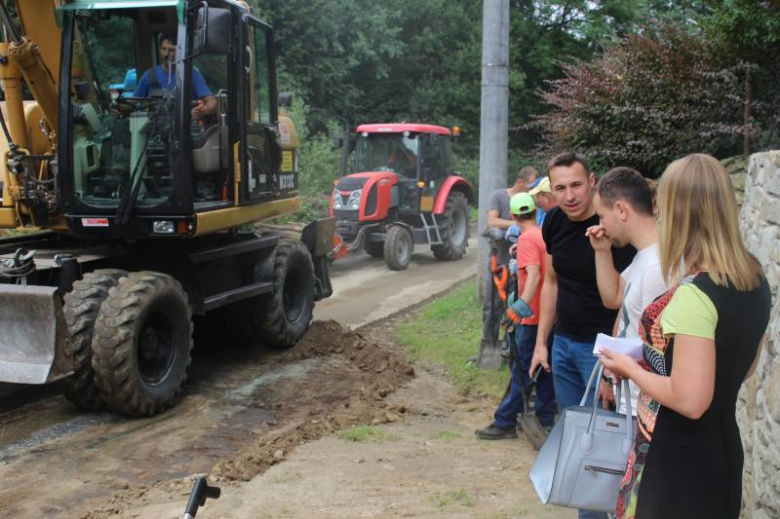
(281, 318)
(375, 249)
(399, 245)
(453, 228)
(142, 344)
(82, 304)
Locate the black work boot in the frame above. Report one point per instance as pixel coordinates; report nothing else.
(492, 432)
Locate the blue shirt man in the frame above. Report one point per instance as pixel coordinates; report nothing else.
(168, 82)
(165, 76)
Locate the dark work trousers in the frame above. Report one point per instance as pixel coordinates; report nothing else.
(513, 403)
(492, 311)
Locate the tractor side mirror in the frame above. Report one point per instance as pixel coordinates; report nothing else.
(212, 31)
(285, 100)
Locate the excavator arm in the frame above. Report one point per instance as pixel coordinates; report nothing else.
(29, 55)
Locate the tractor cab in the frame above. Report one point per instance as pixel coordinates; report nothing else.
(403, 176)
(194, 144)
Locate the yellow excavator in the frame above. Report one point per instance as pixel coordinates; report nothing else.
(143, 205)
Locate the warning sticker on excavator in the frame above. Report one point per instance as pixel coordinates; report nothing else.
(284, 133)
(287, 161)
(94, 222)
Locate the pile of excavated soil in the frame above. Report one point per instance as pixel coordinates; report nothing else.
(345, 382)
(368, 374)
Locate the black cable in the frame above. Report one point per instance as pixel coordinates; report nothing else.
(8, 23)
(18, 267)
(11, 145)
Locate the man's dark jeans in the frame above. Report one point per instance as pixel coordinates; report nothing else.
(513, 402)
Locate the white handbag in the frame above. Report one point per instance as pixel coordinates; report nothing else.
(584, 458)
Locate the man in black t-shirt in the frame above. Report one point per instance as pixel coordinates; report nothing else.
(570, 296)
(571, 299)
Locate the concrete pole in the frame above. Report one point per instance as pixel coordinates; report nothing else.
(493, 138)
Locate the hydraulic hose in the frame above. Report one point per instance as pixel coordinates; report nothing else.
(11, 145)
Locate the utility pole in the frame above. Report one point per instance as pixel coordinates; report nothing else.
(493, 139)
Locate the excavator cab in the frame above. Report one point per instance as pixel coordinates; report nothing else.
(140, 164)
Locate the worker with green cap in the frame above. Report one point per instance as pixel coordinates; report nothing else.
(522, 319)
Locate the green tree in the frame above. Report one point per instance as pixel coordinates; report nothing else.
(749, 31)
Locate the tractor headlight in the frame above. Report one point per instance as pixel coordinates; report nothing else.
(353, 202)
(337, 199)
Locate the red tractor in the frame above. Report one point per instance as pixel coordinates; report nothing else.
(403, 192)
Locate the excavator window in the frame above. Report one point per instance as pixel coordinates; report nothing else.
(211, 135)
(119, 145)
(264, 154)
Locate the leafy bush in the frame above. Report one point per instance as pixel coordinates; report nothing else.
(646, 101)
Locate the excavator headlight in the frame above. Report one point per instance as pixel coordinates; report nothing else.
(163, 227)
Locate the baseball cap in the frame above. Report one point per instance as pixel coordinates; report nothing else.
(543, 186)
(521, 203)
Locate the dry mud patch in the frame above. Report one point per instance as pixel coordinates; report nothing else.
(421, 460)
(237, 418)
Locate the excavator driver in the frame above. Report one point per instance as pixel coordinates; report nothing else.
(163, 76)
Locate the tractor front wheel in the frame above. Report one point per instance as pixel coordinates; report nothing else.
(399, 245)
(142, 343)
(453, 228)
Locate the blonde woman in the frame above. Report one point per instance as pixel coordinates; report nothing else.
(701, 341)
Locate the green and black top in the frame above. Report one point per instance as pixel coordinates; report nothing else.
(693, 468)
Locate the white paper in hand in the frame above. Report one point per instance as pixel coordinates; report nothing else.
(631, 346)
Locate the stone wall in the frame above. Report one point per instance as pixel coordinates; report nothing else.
(758, 408)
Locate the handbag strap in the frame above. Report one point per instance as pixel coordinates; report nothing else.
(598, 369)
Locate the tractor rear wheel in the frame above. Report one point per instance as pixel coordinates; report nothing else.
(81, 309)
(375, 249)
(453, 228)
(399, 245)
(281, 318)
(142, 343)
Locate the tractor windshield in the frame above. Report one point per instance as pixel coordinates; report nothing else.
(387, 152)
(121, 144)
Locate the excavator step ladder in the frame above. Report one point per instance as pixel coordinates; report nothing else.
(431, 230)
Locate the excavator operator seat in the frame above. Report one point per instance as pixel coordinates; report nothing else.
(210, 144)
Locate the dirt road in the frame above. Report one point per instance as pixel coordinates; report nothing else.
(245, 410)
(365, 290)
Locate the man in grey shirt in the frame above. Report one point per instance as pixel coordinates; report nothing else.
(498, 222)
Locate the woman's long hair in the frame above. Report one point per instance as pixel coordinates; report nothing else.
(699, 224)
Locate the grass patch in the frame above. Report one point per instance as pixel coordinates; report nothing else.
(365, 433)
(474, 214)
(446, 436)
(20, 231)
(454, 497)
(447, 332)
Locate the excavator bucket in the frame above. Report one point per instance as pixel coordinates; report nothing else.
(35, 345)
